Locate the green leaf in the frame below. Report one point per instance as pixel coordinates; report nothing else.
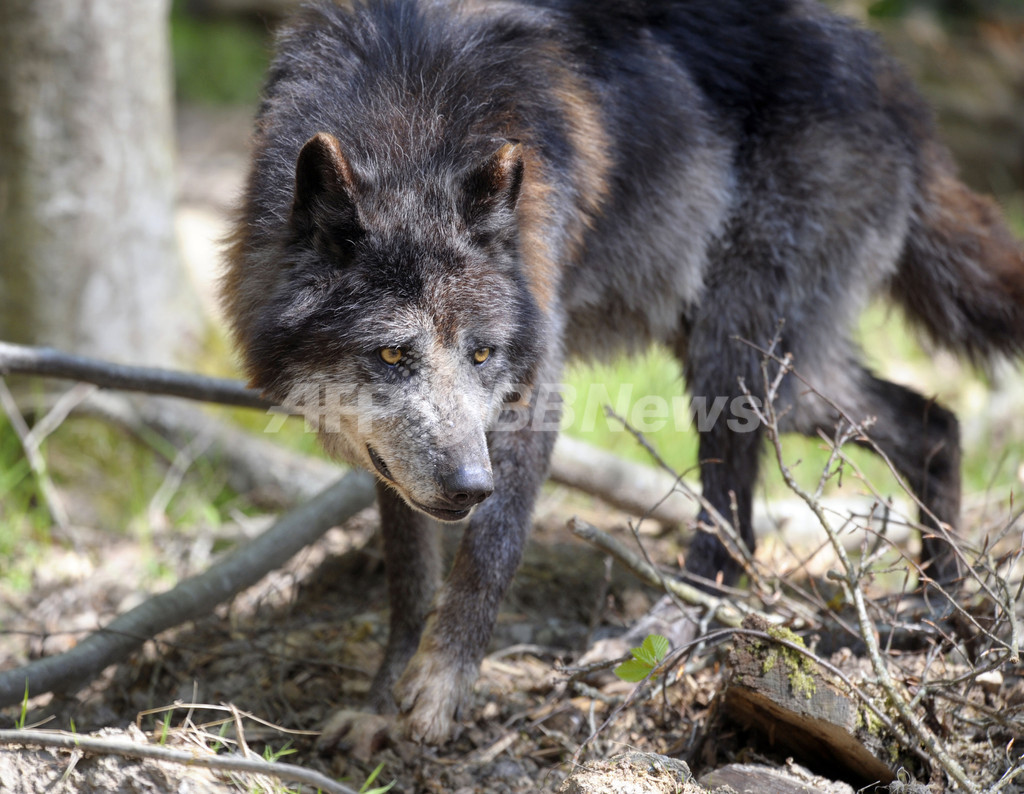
(645, 658)
(657, 645)
(653, 650)
(369, 781)
(633, 671)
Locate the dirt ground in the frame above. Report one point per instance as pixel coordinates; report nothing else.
(305, 641)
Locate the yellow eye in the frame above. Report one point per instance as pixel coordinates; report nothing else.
(391, 355)
(481, 355)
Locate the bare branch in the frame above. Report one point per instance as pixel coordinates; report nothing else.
(25, 360)
(850, 580)
(727, 613)
(129, 749)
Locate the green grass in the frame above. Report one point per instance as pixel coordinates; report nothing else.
(24, 521)
(991, 457)
(107, 479)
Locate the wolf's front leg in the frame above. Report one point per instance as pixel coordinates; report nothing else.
(412, 561)
(438, 680)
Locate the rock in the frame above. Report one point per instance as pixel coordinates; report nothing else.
(760, 779)
(632, 773)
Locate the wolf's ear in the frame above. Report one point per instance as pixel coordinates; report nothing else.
(496, 184)
(324, 189)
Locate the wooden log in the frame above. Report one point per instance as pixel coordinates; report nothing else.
(780, 695)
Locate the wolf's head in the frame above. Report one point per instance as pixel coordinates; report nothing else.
(397, 318)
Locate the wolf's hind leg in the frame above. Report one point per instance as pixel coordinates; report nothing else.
(921, 439)
(728, 452)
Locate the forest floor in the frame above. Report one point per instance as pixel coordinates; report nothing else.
(268, 668)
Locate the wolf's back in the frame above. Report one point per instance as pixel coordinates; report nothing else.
(961, 277)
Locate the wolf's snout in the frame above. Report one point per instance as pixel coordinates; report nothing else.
(467, 486)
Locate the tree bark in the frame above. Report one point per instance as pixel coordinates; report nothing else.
(87, 250)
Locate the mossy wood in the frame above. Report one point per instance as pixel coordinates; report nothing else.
(781, 696)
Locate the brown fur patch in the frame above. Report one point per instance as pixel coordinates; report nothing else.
(975, 223)
(591, 146)
(542, 272)
(591, 166)
(962, 273)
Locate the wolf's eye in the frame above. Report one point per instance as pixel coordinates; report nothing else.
(480, 355)
(391, 355)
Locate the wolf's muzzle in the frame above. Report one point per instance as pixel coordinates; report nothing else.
(466, 486)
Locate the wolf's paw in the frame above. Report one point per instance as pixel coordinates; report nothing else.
(431, 693)
(357, 733)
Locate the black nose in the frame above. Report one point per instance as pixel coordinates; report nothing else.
(467, 486)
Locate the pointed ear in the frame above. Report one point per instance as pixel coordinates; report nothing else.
(324, 188)
(496, 184)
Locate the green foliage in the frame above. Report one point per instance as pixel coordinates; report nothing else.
(217, 61)
(369, 782)
(623, 385)
(889, 9)
(645, 659)
(110, 477)
(270, 755)
(23, 715)
(946, 9)
(24, 519)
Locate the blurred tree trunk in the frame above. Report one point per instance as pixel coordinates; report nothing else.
(87, 250)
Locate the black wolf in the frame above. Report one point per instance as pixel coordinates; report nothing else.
(448, 198)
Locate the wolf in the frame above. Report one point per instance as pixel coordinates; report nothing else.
(450, 198)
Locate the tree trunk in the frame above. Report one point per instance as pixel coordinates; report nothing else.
(87, 250)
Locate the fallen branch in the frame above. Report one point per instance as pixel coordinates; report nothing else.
(193, 758)
(193, 597)
(632, 487)
(26, 360)
(726, 612)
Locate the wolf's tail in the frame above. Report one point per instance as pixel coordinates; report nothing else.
(961, 277)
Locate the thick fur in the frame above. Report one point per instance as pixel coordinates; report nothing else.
(447, 198)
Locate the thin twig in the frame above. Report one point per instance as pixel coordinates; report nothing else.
(193, 758)
(851, 585)
(728, 613)
(35, 460)
(736, 547)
